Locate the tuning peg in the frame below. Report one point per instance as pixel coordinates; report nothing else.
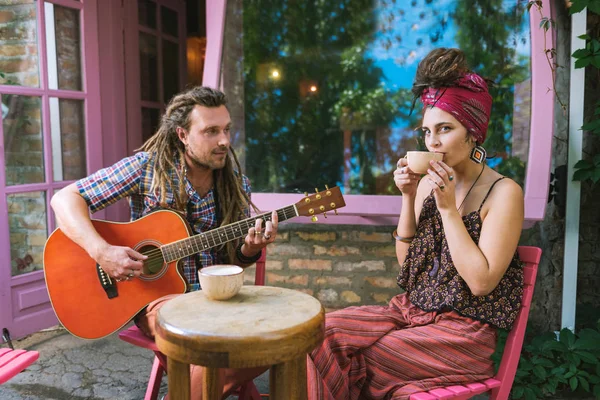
(316, 190)
(325, 215)
(306, 199)
(327, 187)
(335, 211)
(314, 218)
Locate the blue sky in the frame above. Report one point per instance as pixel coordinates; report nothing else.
(399, 63)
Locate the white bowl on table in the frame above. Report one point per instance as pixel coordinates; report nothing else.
(221, 282)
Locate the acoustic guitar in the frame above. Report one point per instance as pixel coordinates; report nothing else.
(91, 305)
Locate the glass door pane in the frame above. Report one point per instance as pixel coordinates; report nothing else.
(148, 67)
(28, 231)
(19, 58)
(67, 122)
(160, 50)
(63, 39)
(23, 140)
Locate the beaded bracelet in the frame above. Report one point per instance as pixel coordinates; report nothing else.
(400, 238)
(245, 259)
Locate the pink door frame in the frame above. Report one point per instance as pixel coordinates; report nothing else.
(384, 210)
(24, 302)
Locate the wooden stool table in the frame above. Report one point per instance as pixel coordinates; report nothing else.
(260, 326)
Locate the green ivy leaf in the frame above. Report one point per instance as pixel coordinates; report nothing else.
(583, 164)
(581, 53)
(554, 345)
(587, 356)
(597, 391)
(539, 371)
(583, 62)
(596, 175)
(577, 6)
(544, 362)
(594, 7)
(572, 371)
(588, 334)
(582, 175)
(517, 392)
(530, 394)
(558, 371)
(573, 383)
(584, 383)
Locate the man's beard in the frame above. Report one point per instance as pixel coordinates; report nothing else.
(204, 165)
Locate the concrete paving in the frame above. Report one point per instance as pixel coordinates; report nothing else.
(70, 368)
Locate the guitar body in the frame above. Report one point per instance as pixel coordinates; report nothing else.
(78, 297)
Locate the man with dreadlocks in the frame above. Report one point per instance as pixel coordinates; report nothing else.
(456, 244)
(188, 165)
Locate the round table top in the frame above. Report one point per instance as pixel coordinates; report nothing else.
(259, 319)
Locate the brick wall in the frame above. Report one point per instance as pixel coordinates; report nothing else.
(339, 265)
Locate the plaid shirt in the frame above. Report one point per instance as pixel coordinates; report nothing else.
(132, 177)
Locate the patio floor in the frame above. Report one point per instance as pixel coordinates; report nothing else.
(76, 369)
(70, 368)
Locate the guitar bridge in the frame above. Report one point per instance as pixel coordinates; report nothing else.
(108, 285)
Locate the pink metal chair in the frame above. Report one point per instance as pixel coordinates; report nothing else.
(134, 336)
(499, 386)
(14, 361)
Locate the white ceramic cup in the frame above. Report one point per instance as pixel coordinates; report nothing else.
(221, 282)
(418, 161)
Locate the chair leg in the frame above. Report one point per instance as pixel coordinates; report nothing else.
(248, 391)
(155, 379)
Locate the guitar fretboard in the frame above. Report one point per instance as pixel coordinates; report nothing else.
(216, 237)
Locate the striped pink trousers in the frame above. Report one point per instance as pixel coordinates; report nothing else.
(379, 352)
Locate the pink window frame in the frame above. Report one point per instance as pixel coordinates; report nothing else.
(384, 210)
(90, 94)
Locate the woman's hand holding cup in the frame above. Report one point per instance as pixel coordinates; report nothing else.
(405, 179)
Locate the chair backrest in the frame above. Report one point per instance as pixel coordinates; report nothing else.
(259, 275)
(530, 256)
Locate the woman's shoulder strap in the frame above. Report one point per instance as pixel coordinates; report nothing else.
(489, 191)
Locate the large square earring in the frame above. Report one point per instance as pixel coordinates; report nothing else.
(478, 154)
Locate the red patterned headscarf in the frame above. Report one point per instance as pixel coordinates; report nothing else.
(469, 101)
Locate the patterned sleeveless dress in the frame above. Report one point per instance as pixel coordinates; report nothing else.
(390, 352)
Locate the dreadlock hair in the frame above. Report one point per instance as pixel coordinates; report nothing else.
(165, 147)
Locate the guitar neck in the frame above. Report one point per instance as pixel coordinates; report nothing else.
(216, 237)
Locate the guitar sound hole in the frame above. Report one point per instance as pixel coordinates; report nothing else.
(154, 263)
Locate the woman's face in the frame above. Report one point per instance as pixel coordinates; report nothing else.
(444, 134)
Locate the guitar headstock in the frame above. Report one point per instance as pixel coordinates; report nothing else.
(321, 202)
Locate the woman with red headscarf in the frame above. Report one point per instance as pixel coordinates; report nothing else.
(456, 244)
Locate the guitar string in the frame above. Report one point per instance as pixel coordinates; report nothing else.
(156, 254)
